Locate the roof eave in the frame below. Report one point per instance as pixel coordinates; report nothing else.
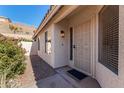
(46, 20)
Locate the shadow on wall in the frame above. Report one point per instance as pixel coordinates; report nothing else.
(33, 48)
(40, 68)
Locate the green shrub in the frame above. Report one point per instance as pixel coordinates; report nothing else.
(11, 58)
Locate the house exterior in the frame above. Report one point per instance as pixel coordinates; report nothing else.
(88, 38)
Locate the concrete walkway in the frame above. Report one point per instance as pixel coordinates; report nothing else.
(40, 75)
(63, 80)
(55, 81)
(36, 69)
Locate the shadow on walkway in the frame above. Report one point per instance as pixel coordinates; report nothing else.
(40, 68)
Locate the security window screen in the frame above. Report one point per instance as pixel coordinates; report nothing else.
(108, 37)
(38, 44)
(48, 42)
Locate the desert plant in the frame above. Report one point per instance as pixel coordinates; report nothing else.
(11, 61)
(12, 55)
(13, 28)
(8, 83)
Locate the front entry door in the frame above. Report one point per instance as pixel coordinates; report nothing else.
(82, 50)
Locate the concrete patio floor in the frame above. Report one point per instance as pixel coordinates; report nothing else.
(87, 82)
(40, 75)
(63, 80)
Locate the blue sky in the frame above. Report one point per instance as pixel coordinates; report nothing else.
(27, 14)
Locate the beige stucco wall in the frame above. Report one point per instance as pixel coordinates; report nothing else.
(103, 75)
(34, 48)
(45, 56)
(82, 14)
(60, 53)
(60, 45)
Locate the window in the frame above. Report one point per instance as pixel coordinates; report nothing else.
(71, 43)
(38, 44)
(47, 42)
(108, 37)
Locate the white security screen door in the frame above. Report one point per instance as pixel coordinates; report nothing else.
(82, 50)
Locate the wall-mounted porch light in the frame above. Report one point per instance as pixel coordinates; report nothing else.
(62, 34)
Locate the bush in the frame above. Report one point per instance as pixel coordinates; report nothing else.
(11, 58)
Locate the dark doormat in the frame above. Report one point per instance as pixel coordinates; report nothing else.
(78, 75)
